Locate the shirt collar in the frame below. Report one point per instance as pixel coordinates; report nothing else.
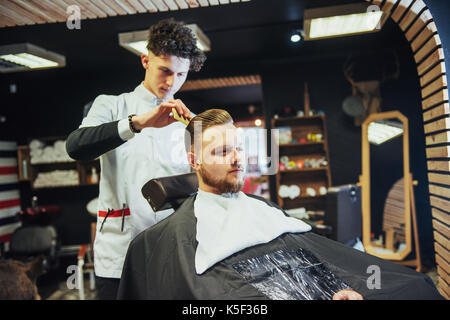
(147, 96)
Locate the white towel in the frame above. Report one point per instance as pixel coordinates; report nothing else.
(230, 223)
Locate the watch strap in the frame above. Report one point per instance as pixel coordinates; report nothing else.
(132, 127)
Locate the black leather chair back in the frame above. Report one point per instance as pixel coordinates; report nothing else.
(169, 192)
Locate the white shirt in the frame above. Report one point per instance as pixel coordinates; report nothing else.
(153, 153)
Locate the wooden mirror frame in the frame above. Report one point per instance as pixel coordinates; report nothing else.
(364, 180)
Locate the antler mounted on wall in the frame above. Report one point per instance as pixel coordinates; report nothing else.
(366, 95)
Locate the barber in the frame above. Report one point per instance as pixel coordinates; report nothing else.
(136, 138)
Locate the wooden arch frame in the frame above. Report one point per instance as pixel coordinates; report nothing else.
(416, 21)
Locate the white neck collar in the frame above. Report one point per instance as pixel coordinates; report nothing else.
(226, 225)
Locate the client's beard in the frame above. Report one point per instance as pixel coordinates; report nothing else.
(221, 184)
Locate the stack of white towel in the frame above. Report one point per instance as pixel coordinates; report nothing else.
(42, 153)
(57, 178)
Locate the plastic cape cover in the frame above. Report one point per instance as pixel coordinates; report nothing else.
(160, 265)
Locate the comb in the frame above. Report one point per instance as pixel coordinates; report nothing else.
(177, 117)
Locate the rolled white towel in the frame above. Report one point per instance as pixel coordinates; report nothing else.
(36, 152)
(294, 191)
(311, 192)
(56, 178)
(60, 146)
(36, 144)
(283, 192)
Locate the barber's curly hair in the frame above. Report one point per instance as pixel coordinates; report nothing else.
(174, 38)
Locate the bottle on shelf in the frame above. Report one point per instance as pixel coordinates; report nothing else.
(93, 177)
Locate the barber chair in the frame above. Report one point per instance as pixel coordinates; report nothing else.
(36, 237)
(170, 192)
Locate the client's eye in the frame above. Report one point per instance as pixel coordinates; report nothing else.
(222, 151)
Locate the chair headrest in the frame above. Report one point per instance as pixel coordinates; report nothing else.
(169, 192)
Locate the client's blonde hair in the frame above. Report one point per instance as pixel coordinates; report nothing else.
(208, 118)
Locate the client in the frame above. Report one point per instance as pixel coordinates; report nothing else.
(224, 244)
(18, 279)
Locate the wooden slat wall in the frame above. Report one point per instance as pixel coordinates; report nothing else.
(394, 208)
(417, 23)
(28, 12)
(220, 82)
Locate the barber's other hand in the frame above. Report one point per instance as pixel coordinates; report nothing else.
(347, 294)
(160, 116)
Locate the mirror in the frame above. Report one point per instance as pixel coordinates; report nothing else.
(398, 211)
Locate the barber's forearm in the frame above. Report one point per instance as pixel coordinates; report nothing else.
(88, 143)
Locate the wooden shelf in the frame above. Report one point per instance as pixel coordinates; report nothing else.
(54, 187)
(321, 196)
(301, 144)
(315, 178)
(65, 186)
(28, 171)
(299, 119)
(53, 163)
(304, 170)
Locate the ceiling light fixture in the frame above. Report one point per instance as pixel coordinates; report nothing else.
(26, 56)
(295, 37)
(343, 20)
(383, 131)
(136, 41)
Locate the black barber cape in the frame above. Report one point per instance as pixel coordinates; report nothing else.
(160, 265)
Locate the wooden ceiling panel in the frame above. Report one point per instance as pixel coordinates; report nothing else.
(6, 21)
(105, 8)
(126, 6)
(32, 9)
(28, 12)
(182, 4)
(137, 5)
(115, 7)
(220, 82)
(22, 11)
(203, 3)
(53, 9)
(90, 5)
(193, 4)
(84, 12)
(15, 16)
(171, 4)
(161, 5)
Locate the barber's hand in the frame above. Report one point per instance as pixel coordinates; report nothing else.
(160, 116)
(347, 294)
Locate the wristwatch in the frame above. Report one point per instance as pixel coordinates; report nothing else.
(132, 127)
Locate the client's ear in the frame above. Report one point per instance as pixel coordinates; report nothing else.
(193, 161)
